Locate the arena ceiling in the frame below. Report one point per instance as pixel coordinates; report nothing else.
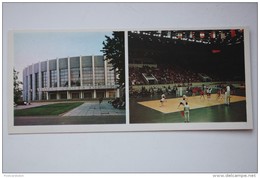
(217, 51)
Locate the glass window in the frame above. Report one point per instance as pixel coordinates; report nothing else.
(63, 95)
(36, 81)
(100, 94)
(36, 86)
(64, 77)
(44, 79)
(74, 62)
(44, 95)
(31, 81)
(53, 78)
(53, 96)
(75, 95)
(75, 77)
(99, 76)
(87, 94)
(26, 88)
(87, 77)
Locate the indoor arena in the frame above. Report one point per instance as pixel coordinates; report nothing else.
(187, 76)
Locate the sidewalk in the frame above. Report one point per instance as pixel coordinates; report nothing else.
(93, 108)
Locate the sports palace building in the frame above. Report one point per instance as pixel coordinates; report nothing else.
(81, 77)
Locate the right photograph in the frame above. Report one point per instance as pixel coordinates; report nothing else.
(187, 76)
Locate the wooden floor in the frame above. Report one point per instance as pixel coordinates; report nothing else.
(171, 105)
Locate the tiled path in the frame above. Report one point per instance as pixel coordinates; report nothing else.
(93, 108)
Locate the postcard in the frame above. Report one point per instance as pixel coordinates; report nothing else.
(129, 80)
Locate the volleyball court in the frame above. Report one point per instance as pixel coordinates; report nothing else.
(195, 102)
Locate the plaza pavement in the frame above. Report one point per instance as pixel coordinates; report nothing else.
(93, 108)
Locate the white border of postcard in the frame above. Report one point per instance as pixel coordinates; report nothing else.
(128, 127)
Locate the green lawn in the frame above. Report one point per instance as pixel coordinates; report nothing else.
(47, 110)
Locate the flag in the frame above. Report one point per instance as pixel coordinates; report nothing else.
(169, 34)
(202, 35)
(214, 51)
(233, 33)
(179, 35)
(222, 35)
(191, 34)
(213, 34)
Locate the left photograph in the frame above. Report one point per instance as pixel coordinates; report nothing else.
(68, 78)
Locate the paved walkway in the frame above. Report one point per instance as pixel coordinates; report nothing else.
(93, 108)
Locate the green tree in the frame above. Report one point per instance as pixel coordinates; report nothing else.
(17, 89)
(114, 51)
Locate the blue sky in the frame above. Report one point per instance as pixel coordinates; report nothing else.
(32, 47)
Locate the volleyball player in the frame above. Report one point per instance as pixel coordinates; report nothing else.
(202, 94)
(209, 89)
(183, 101)
(227, 95)
(219, 94)
(186, 112)
(163, 99)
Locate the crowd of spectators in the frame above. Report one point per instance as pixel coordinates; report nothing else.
(153, 91)
(179, 90)
(163, 75)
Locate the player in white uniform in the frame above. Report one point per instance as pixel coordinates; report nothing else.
(209, 93)
(163, 99)
(183, 101)
(227, 95)
(187, 112)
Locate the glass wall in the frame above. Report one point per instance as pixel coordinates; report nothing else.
(36, 80)
(75, 95)
(53, 72)
(87, 76)
(30, 82)
(53, 96)
(99, 76)
(100, 94)
(63, 95)
(87, 94)
(44, 79)
(63, 67)
(99, 70)
(75, 71)
(30, 92)
(75, 77)
(53, 78)
(44, 74)
(27, 86)
(87, 71)
(63, 77)
(44, 95)
(36, 86)
(111, 77)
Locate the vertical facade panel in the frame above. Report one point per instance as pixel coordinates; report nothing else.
(44, 66)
